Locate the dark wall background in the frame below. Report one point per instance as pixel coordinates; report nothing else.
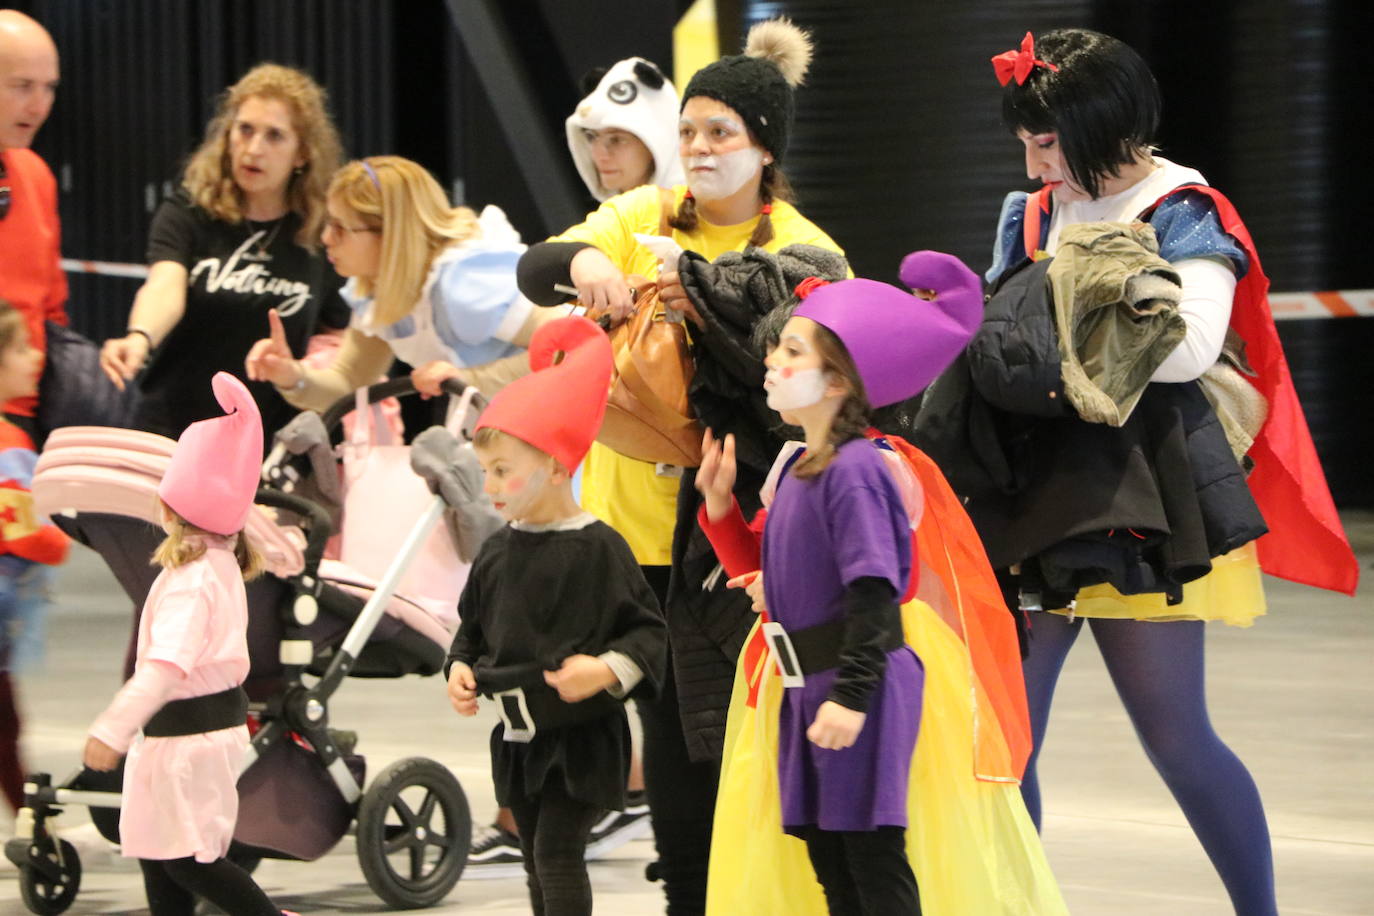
(140, 79)
(897, 144)
(899, 124)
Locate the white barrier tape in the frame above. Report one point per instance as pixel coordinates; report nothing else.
(1345, 303)
(105, 268)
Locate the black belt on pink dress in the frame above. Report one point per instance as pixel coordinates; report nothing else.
(195, 715)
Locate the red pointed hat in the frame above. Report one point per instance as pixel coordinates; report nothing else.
(559, 407)
(212, 478)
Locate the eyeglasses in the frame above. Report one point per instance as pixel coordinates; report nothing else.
(5, 192)
(333, 225)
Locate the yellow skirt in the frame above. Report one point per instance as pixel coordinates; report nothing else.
(1233, 592)
(971, 843)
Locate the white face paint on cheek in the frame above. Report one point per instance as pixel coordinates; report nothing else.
(727, 172)
(791, 389)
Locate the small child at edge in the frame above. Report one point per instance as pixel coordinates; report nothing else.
(559, 625)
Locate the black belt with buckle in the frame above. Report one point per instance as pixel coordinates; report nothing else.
(818, 648)
(545, 708)
(196, 715)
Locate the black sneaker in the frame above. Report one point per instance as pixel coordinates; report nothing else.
(495, 853)
(620, 827)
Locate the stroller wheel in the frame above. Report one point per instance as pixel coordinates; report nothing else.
(414, 831)
(49, 880)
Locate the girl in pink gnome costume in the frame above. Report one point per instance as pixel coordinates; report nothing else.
(180, 798)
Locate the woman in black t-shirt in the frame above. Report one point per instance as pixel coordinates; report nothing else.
(240, 238)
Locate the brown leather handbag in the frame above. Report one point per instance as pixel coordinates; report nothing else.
(648, 416)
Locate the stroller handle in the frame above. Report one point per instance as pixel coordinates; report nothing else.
(320, 530)
(392, 388)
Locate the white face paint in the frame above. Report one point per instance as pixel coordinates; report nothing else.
(716, 177)
(792, 389)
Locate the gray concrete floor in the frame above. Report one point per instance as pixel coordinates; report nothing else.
(1293, 696)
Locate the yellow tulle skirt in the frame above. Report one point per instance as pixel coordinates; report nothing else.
(971, 843)
(1233, 592)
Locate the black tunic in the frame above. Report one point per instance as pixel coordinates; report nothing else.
(539, 597)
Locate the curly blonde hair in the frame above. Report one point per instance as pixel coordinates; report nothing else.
(404, 202)
(208, 177)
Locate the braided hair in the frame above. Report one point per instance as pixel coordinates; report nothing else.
(772, 186)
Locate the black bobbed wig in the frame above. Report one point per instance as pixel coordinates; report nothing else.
(1103, 102)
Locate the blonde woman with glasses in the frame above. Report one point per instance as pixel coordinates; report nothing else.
(428, 283)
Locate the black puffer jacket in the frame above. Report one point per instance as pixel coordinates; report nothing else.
(976, 418)
(1014, 356)
(707, 626)
(1043, 484)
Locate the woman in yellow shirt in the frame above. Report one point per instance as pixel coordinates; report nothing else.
(733, 132)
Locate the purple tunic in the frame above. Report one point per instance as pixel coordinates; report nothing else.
(821, 535)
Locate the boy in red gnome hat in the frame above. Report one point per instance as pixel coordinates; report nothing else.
(559, 625)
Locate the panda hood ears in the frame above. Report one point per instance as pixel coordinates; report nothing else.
(633, 96)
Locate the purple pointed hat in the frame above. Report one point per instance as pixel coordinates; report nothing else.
(899, 342)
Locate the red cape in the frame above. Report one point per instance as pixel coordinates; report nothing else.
(1306, 542)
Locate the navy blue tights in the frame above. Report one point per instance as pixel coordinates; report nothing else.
(1157, 669)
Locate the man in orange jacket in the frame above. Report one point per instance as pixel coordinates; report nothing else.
(31, 277)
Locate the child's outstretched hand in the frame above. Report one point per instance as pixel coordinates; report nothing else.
(462, 689)
(99, 756)
(836, 727)
(716, 476)
(580, 677)
(752, 583)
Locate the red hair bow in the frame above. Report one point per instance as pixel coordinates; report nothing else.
(809, 286)
(1019, 63)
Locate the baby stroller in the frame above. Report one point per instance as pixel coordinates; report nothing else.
(312, 622)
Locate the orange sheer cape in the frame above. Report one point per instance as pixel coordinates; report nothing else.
(956, 580)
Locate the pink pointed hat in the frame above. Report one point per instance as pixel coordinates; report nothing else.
(214, 472)
(900, 342)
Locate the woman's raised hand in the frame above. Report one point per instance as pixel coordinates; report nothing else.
(716, 476)
(122, 357)
(601, 285)
(270, 359)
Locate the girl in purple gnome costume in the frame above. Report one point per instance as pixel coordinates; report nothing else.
(836, 557)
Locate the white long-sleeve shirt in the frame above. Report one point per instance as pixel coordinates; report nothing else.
(1209, 284)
